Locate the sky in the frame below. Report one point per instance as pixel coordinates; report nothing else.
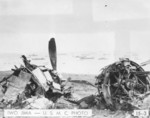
(116, 26)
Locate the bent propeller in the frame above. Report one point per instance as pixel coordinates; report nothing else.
(52, 53)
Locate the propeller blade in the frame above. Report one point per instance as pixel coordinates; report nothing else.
(52, 53)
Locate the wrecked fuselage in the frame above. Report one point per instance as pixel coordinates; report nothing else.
(24, 84)
(123, 82)
(30, 82)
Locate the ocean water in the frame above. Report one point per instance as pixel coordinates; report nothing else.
(76, 63)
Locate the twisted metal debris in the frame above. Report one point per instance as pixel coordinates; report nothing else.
(122, 84)
(30, 83)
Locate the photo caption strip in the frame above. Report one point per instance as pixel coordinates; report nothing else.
(50, 113)
(141, 113)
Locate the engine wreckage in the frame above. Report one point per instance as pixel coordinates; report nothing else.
(121, 85)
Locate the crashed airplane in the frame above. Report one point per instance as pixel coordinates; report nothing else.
(29, 82)
(123, 84)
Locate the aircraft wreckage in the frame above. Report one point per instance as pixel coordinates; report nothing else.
(120, 85)
(32, 86)
(123, 84)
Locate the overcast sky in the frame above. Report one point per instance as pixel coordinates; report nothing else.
(78, 25)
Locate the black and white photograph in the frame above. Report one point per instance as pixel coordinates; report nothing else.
(75, 58)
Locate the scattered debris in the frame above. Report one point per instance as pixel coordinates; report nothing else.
(32, 86)
(37, 87)
(123, 85)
